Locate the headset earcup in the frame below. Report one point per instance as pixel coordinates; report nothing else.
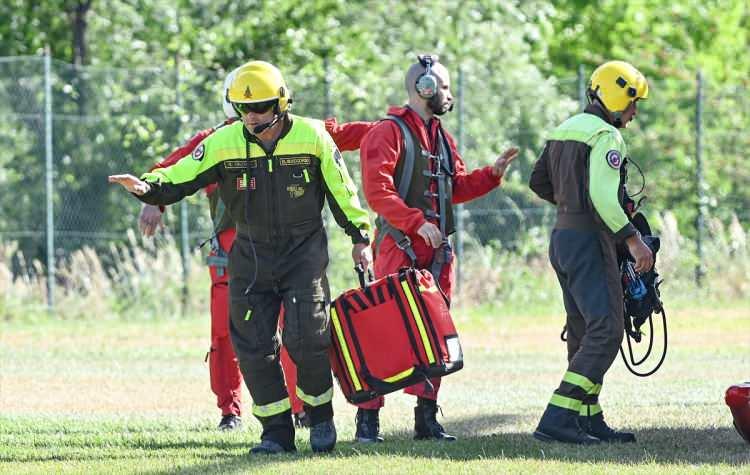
(426, 86)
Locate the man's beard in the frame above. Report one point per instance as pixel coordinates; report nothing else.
(438, 108)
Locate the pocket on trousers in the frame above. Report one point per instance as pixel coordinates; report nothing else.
(306, 321)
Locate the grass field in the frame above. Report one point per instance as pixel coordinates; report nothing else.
(107, 396)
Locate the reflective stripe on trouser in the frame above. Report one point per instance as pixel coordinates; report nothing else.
(315, 401)
(583, 384)
(586, 266)
(271, 409)
(589, 409)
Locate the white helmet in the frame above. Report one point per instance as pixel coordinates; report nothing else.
(228, 109)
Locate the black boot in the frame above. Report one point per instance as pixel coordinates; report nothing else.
(269, 447)
(230, 422)
(277, 436)
(323, 436)
(595, 425)
(368, 426)
(561, 425)
(426, 425)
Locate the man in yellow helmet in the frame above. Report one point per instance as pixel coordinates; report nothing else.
(273, 171)
(581, 171)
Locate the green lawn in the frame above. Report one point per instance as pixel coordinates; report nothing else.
(110, 396)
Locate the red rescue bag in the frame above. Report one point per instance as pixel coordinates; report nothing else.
(392, 333)
(738, 400)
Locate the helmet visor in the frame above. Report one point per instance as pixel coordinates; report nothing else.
(255, 107)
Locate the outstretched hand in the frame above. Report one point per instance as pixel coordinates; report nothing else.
(502, 162)
(130, 183)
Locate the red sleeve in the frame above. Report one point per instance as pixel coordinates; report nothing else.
(381, 149)
(348, 136)
(468, 186)
(183, 151)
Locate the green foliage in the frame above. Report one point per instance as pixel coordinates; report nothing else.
(156, 67)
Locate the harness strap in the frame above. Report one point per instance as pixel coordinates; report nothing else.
(384, 227)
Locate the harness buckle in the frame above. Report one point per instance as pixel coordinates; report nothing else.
(404, 243)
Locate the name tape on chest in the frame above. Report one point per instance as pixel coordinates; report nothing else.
(239, 164)
(292, 161)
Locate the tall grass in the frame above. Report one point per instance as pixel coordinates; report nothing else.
(143, 278)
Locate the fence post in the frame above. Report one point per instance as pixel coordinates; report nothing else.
(49, 179)
(184, 226)
(327, 88)
(700, 181)
(460, 207)
(582, 101)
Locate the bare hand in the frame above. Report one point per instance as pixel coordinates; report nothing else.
(150, 220)
(644, 258)
(502, 162)
(431, 234)
(130, 183)
(362, 255)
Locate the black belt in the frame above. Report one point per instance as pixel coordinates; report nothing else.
(581, 221)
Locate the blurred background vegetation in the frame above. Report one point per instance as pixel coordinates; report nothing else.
(130, 80)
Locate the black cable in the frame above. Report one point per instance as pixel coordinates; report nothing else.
(643, 178)
(247, 217)
(631, 366)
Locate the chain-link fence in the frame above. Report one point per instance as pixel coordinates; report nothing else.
(65, 128)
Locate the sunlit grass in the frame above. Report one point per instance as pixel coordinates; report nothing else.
(133, 396)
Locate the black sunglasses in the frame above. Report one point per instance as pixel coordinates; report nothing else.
(255, 107)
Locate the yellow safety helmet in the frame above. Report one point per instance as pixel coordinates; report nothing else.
(258, 81)
(616, 84)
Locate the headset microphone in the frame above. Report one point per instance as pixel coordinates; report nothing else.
(260, 128)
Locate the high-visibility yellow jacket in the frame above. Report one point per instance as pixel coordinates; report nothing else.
(268, 193)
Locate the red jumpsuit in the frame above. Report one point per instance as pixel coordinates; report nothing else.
(380, 152)
(226, 379)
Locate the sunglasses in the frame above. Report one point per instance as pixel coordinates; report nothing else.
(255, 107)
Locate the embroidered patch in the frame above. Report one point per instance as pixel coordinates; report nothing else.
(614, 159)
(241, 183)
(199, 152)
(295, 191)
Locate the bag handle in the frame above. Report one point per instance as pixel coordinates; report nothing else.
(364, 282)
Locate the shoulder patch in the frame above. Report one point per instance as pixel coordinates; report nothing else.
(198, 153)
(614, 159)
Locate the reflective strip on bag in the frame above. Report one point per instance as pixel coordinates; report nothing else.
(345, 349)
(315, 401)
(418, 320)
(565, 402)
(399, 376)
(581, 381)
(271, 409)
